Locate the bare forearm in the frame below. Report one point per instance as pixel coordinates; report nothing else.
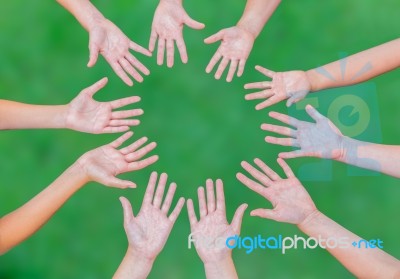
(133, 266)
(15, 115)
(356, 68)
(224, 269)
(362, 262)
(376, 157)
(26, 220)
(256, 14)
(84, 11)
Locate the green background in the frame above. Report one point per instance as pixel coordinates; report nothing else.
(203, 128)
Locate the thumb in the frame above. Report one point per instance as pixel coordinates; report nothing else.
(311, 111)
(119, 183)
(193, 23)
(238, 217)
(264, 213)
(214, 38)
(93, 54)
(94, 88)
(127, 209)
(292, 100)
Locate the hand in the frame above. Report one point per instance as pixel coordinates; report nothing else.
(87, 115)
(103, 164)
(148, 231)
(293, 85)
(213, 225)
(168, 22)
(291, 202)
(236, 45)
(321, 139)
(108, 39)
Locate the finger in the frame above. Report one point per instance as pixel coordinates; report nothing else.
(94, 88)
(259, 95)
(127, 210)
(267, 103)
(137, 155)
(265, 71)
(168, 199)
(285, 131)
(214, 60)
(232, 69)
(296, 154)
(258, 85)
(288, 171)
(170, 53)
(138, 165)
(148, 195)
(210, 196)
(160, 52)
(153, 40)
(93, 54)
(215, 38)
(119, 183)
(117, 143)
(238, 217)
(242, 65)
(124, 122)
(177, 210)
(160, 190)
(124, 102)
(130, 70)
(264, 213)
(202, 202)
(180, 44)
(133, 146)
(193, 23)
(292, 100)
(282, 141)
(221, 68)
(112, 130)
(120, 72)
(138, 48)
(256, 187)
(191, 213)
(284, 118)
(220, 195)
(137, 64)
(267, 170)
(311, 111)
(261, 177)
(126, 113)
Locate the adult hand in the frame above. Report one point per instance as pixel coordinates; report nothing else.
(148, 231)
(321, 139)
(103, 164)
(236, 45)
(293, 85)
(291, 202)
(169, 19)
(107, 39)
(87, 115)
(213, 225)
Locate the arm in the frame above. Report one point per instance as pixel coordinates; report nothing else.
(100, 165)
(237, 42)
(295, 85)
(106, 38)
(148, 231)
(169, 19)
(211, 228)
(292, 204)
(323, 139)
(81, 114)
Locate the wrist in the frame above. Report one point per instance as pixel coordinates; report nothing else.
(309, 220)
(172, 1)
(248, 28)
(348, 148)
(314, 79)
(139, 259)
(223, 268)
(76, 173)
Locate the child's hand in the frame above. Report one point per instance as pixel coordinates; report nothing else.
(293, 85)
(87, 115)
(103, 164)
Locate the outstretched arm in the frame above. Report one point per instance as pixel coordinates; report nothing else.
(237, 42)
(107, 39)
(295, 85)
(101, 165)
(292, 204)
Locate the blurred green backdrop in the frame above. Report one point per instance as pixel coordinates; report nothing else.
(203, 127)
